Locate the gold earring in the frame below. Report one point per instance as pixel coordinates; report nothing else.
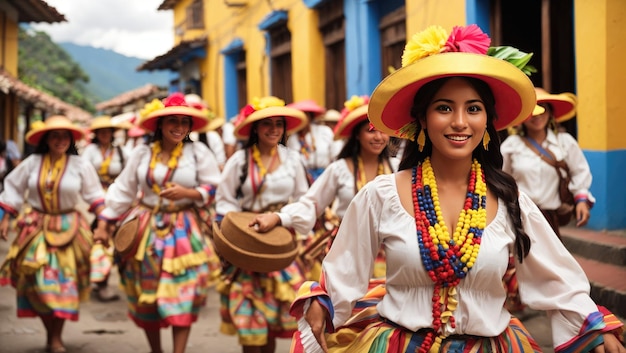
(421, 140)
(486, 139)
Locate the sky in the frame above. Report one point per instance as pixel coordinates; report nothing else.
(133, 28)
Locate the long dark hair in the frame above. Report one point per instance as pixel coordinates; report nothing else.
(352, 148)
(500, 183)
(42, 146)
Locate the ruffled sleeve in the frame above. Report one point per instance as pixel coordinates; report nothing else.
(551, 280)
(123, 192)
(301, 215)
(16, 184)
(226, 194)
(91, 189)
(208, 173)
(578, 167)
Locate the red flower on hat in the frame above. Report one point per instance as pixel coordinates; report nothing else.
(468, 39)
(176, 99)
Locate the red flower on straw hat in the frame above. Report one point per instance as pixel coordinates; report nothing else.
(176, 99)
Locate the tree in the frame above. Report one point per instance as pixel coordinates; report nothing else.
(44, 65)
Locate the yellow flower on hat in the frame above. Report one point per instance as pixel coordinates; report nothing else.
(37, 125)
(155, 105)
(355, 102)
(425, 43)
(265, 102)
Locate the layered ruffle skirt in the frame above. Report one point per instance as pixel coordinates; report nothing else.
(50, 280)
(167, 279)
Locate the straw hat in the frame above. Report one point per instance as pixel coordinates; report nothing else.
(250, 250)
(331, 116)
(355, 111)
(563, 104)
(307, 106)
(56, 122)
(174, 104)
(268, 107)
(214, 124)
(433, 54)
(106, 122)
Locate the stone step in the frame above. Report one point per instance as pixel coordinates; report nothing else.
(604, 246)
(608, 284)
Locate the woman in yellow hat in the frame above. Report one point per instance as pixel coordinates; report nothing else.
(364, 156)
(109, 160)
(448, 221)
(167, 271)
(530, 157)
(48, 262)
(262, 176)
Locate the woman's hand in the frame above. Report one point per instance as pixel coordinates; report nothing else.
(316, 318)
(4, 228)
(611, 345)
(582, 213)
(102, 233)
(265, 222)
(175, 192)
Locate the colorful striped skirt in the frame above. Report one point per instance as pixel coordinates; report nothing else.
(50, 280)
(255, 306)
(382, 336)
(167, 280)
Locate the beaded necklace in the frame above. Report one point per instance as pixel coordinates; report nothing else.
(261, 171)
(447, 259)
(50, 180)
(361, 179)
(172, 163)
(103, 172)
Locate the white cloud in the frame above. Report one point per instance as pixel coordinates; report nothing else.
(131, 27)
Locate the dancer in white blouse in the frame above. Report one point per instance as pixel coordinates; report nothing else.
(167, 273)
(48, 263)
(449, 220)
(364, 157)
(108, 159)
(264, 175)
(537, 178)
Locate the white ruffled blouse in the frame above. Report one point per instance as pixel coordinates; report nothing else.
(93, 154)
(283, 185)
(336, 183)
(197, 168)
(549, 278)
(537, 178)
(78, 181)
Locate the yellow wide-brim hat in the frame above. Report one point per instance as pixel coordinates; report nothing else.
(174, 104)
(344, 127)
(106, 122)
(391, 102)
(563, 104)
(294, 120)
(214, 124)
(465, 52)
(55, 122)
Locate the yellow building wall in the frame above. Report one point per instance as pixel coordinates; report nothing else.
(223, 24)
(423, 13)
(600, 72)
(9, 43)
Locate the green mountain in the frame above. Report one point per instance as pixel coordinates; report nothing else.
(111, 73)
